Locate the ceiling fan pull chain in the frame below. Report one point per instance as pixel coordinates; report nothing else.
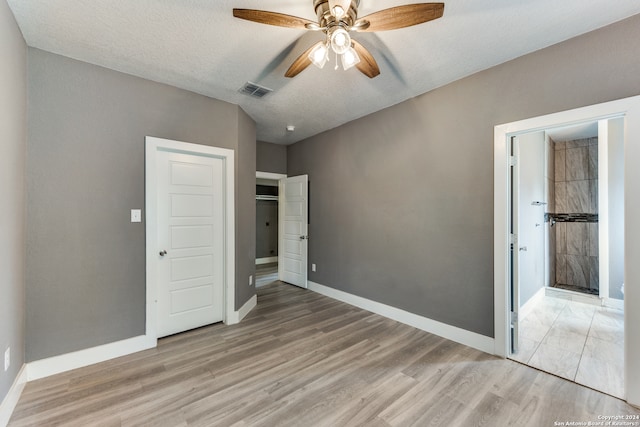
(336, 67)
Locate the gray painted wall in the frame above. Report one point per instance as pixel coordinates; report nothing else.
(13, 134)
(85, 171)
(423, 240)
(271, 157)
(245, 209)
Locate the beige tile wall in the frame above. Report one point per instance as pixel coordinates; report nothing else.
(576, 191)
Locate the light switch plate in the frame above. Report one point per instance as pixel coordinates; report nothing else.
(136, 215)
(313, 267)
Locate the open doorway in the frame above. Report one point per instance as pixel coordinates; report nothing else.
(292, 229)
(267, 230)
(508, 308)
(567, 219)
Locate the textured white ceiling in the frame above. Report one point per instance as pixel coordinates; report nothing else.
(197, 45)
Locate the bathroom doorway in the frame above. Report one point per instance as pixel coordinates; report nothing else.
(567, 293)
(507, 315)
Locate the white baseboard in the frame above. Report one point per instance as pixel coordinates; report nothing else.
(267, 260)
(452, 333)
(574, 296)
(526, 308)
(247, 307)
(78, 359)
(81, 358)
(613, 303)
(11, 399)
(237, 316)
(617, 304)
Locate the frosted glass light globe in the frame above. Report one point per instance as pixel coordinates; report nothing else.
(340, 40)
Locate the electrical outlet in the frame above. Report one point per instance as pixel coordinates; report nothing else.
(136, 215)
(251, 280)
(7, 359)
(313, 267)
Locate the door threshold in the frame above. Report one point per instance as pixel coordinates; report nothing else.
(573, 296)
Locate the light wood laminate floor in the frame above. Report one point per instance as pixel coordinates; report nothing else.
(266, 274)
(302, 359)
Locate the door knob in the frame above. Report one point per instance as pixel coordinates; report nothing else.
(523, 248)
(163, 253)
(304, 237)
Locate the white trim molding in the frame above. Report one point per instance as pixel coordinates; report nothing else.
(617, 304)
(629, 108)
(528, 306)
(237, 316)
(270, 175)
(66, 362)
(453, 333)
(266, 260)
(10, 401)
(89, 356)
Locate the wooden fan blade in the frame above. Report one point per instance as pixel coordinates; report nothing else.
(402, 16)
(273, 18)
(367, 64)
(300, 63)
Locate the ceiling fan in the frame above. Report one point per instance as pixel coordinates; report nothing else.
(336, 19)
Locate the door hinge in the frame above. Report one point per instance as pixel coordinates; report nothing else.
(513, 238)
(512, 161)
(514, 317)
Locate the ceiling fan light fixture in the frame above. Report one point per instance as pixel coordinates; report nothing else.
(335, 19)
(319, 55)
(350, 58)
(340, 40)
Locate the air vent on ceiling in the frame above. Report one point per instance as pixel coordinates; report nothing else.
(255, 90)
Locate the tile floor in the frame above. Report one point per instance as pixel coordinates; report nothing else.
(577, 341)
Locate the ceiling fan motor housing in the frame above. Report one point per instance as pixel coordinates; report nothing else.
(326, 19)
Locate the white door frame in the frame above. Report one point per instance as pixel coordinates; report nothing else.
(270, 175)
(630, 109)
(152, 146)
(275, 177)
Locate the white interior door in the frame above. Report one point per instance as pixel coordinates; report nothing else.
(528, 222)
(293, 245)
(190, 219)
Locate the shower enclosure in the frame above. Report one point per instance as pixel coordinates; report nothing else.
(572, 186)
